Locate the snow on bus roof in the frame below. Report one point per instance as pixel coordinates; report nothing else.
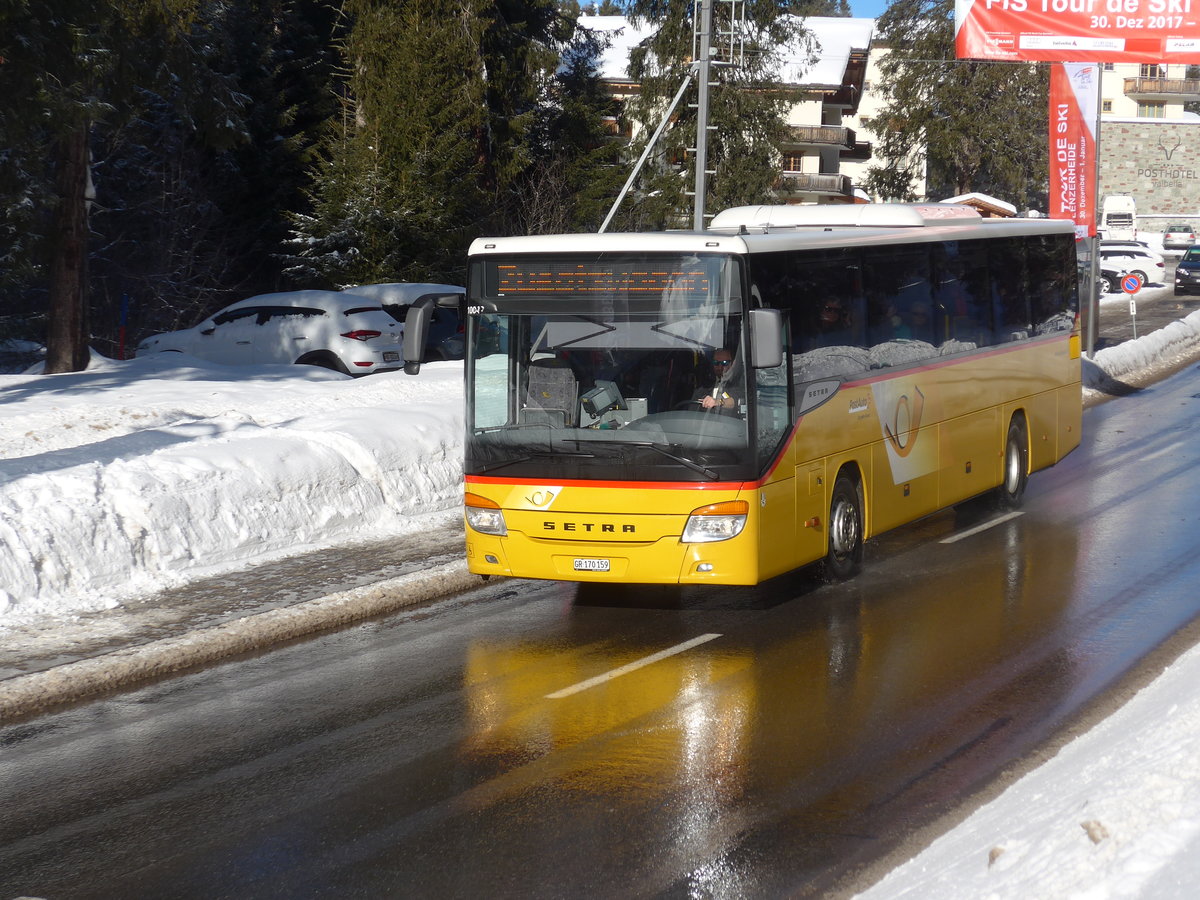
(878, 215)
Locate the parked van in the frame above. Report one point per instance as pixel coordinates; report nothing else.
(1118, 218)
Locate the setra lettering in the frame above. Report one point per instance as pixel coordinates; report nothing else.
(588, 527)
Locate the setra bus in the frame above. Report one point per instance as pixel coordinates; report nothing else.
(721, 407)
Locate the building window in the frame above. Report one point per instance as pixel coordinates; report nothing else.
(1106, 106)
(1153, 70)
(1108, 67)
(793, 162)
(1152, 110)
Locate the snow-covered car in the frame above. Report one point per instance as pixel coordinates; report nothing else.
(447, 338)
(1140, 246)
(340, 331)
(1135, 262)
(1178, 236)
(1187, 272)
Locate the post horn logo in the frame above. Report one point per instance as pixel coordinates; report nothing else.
(906, 422)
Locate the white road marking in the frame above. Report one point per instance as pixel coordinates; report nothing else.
(631, 667)
(1000, 520)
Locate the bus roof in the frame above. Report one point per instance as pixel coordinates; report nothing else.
(751, 229)
(879, 215)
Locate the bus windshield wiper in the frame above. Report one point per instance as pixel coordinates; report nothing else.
(665, 450)
(532, 455)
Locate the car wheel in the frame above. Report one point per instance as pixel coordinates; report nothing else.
(324, 361)
(1140, 274)
(1107, 284)
(1016, 466)
(845, 555)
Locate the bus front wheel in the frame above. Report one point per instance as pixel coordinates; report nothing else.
(1016, 466)
(845, 555)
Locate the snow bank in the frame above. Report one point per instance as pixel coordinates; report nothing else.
(131, 477)
(1154, 349)
(1116, 813)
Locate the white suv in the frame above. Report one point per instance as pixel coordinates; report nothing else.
(344, 332)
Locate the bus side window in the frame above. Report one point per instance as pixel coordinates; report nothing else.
(899, 284)
(1010, 290)
(1054, 297)
(961, 298)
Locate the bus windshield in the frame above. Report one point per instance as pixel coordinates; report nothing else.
(610, 367)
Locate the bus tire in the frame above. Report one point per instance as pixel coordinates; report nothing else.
(845, 555)
(1015, 473)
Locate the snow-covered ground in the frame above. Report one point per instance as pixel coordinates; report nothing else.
(136, 476)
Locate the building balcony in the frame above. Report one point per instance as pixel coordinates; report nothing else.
(860, 152)
(820, 185)
(821, 136)
(1179, 90)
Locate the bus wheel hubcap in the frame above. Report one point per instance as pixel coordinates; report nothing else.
(844, 528)
(1012, 476)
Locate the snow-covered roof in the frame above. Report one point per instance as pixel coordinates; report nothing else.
(977, 199)
(624, 35)
(836, 40)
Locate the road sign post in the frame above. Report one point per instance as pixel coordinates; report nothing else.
(1131, 284)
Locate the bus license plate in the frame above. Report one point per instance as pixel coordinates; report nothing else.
(591, 565)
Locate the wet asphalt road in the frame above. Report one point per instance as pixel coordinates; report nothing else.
(523, 740)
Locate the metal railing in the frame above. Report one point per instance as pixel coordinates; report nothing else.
(1176, 87)
(835, 135)
(806, 183)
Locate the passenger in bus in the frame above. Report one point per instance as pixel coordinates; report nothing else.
(833, 327)
(914, 326)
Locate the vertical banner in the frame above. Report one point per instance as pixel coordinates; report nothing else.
(1074, 88)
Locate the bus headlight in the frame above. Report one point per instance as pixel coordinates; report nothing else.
(484, 515)
(716, 522)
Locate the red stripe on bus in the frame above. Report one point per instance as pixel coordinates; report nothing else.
(621, 485)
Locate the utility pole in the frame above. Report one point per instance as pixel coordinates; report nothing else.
(731, 44)
(703, 73)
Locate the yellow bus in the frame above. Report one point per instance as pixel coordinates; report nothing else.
(721, 407)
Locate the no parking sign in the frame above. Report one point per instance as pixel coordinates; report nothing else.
(1131, 284)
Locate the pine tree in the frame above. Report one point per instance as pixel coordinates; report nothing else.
(979, 125)
(71, 67)
(575, 167)
(450, 112)
(189, 218)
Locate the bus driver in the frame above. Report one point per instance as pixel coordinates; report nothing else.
(720, 396)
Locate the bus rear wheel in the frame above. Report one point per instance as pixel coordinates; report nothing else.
(845, 555)
(1016, 466)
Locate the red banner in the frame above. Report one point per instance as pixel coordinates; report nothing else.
(1140, 31)
(1073, 91)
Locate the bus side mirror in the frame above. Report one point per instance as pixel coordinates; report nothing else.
(766, 338)
(416, 329)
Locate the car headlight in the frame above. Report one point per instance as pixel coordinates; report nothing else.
(484, 515)
(716, 522)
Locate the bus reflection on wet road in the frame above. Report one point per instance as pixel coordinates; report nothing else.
(823, 715)
(527, 740)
